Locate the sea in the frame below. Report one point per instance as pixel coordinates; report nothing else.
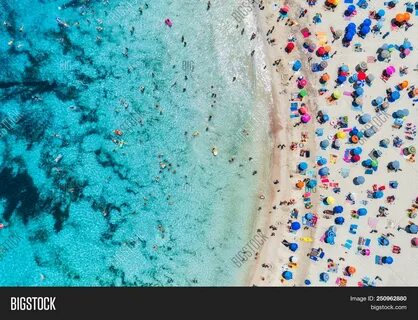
(130, 145)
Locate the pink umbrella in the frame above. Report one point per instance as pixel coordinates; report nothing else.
(366, 252)
(390, 70)
(306, 118)
(302, 83)
(406, 52)
(415, 242)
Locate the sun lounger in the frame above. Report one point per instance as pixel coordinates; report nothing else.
(348, 244)
(378, 260)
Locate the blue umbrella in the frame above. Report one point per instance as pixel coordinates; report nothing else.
(302, 166)
(330, 240)
(309, 216)
(383, 241)
(367, 163)
(407, 44)
(378, 101)
(394, 165)
(325, 118)
(338, 209)
(324, 277)
(348, 37)
(354, 132)
(307, 282)
(378, 194)
(339, 220)
(350, 27)
(295, 226)
(323, 171)
(357, 151)
(395, 95)
(341, 79)
(311, 184)
(297, 65)
(384, 143)
(367, 22)
(365, 118)
(344, 68)
(359, 91)
(350, 9)
(412, 228)
(398, 122)
(387, 260)
(358, 180)
(364, 30)
(293, 246)
(381, 13)
(287, 275)
(324, 144)
(322, 161)
(362, 212)
(394, 184)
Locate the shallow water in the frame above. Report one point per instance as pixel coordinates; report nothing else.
(153, 206)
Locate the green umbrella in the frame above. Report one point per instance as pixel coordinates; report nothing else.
(412, 150)
(303, 93)
(374, 163)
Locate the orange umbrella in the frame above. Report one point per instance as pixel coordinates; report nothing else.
(399, 17)
(406, 16)
(327, 48)
(354, 139)
(300, 184)
(351, 270)
(325, 77)
(404, 84)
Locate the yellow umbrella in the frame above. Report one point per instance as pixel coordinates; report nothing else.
(330, 200)
(341, 135)
(336, 94)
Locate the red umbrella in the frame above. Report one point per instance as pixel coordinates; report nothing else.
(290, 46)
(356, 158)
(321, 51)
(303, 110)
(361, 76)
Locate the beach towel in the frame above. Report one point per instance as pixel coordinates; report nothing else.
(353, 229)
(372, 222)
(322, 37)
(305, 32)
(348, 1)
(348, 244)
(333, 158)
(371, 59)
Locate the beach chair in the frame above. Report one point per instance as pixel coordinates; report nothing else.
(353, 229)
(368, 171)
(378, 260)
(348, 244)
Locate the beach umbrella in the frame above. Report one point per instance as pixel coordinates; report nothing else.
(300, 184)
(350, 9)
(365, 118)
(380, 14)
(305, 118)
(378, 101)
(403, 85)
(354, 132)
(369, 78)
(344, 68)
(311, 184)
(337, 144)
(339, 220)
(297, 65)
(295, 226)
(322, 161)
(368, 133)
(287, 275)
(399, 18)
(359, 91)
(324, 171)
(302, 83)
(398, 122)
(338, 209)
(374, 163)
(341, 135)
(384, 143)
(364, 30)
(411, 150)
(325, 118)
(320, 51)
(323, 65)
(394, 165)
(307, 282)
(356, 151)
(385, 54)
(303, 93)
(302, 166)
(354, 139)
(324, 277)
(330, 200)
(293, 259)
(393, 184)
(367, 22)
(350, 27)
(377, 194)
(390, 70)
(407, 44)
(289, 47)
(325, 77)
(363, 65)
(361, 76)
(387, 260)
(351, 270)
(355, 158)
(362, 212)
(383, 241)
(412, 228)
(341, 79)
(358, 180)
(293, 246)
(348, 36)
(406, 16)
(303, 110)
(324, 144)
(414, 242)
(395, 95)
(367, 163)
(336, 94)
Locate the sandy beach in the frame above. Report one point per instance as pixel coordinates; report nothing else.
(355, 257)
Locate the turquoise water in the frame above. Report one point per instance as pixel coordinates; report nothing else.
(153, 206)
